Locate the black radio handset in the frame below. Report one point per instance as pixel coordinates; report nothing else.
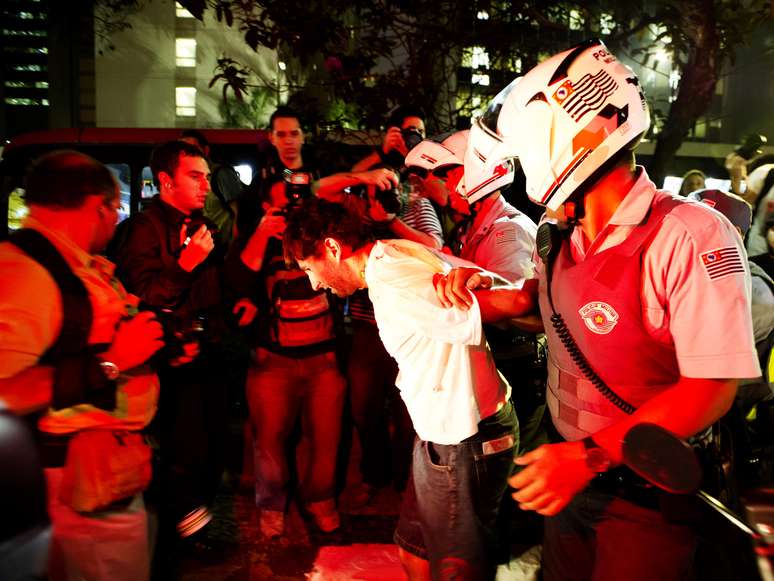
(549, 241)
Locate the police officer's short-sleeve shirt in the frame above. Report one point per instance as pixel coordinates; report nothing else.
(695, 287)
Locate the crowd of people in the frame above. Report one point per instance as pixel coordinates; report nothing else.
(491, 368)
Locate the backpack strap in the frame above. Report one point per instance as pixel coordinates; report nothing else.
(76, 307)
(77, 374)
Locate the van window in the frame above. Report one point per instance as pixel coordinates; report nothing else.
(149, 189)
(123, 175)
(17, 209)
(245, 172)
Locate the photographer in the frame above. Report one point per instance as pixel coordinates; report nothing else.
(73, 357)
(170, 259)
(294, 369)
(736, 163)
(405, 129)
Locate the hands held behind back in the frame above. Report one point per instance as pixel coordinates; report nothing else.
(553, 475)
(454, 288)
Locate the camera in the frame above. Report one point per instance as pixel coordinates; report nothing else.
(177, 331)
(195, 222)
(298, 187)
(390, 199)
(411, 137)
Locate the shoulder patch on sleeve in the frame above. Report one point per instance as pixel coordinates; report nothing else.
(722, 262)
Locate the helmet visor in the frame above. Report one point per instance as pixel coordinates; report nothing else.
(492, 113)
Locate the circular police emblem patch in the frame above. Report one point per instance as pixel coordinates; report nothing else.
(599, 317)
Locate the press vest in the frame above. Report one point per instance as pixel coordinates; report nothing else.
(599, 300)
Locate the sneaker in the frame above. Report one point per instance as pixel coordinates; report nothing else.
(272, 523)
(325, 515)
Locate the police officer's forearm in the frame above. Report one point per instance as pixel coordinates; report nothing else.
(685, 409)
(504, 303)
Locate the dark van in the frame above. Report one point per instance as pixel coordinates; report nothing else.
(125, 151)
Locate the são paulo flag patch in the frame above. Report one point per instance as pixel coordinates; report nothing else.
(722, 262)
(599, 317)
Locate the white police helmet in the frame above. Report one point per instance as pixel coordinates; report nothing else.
(436, 152)
(483, 173)
(565, 118)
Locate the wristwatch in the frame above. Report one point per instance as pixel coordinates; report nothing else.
(109, 369)
(597, 458)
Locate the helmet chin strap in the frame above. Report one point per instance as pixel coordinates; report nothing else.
(574, 211)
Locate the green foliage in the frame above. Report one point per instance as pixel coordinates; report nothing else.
(377, 54)
(250, 112)
(110, 17)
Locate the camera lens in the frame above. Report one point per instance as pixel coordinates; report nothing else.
(411, 137)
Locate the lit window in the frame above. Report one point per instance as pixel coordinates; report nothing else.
(606, 23)
(181, 12)
(482, 15)
(185, 101)
(700, 129)
(720, 86)
(10, 32)
(674, 79)
(479, 58)
(25, 102)
(480, 80)
(281, 66)
(475, 57)
(28, 68)
(576, 20)
(185, 51)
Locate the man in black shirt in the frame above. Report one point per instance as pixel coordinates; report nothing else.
(170, 259)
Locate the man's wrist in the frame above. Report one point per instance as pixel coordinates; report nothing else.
(109, 369)
(597, 459)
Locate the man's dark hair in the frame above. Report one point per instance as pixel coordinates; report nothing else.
(197, 136)
(398, 116)
(314, 221)
(283, 112)
(65, 178)
(166, 157)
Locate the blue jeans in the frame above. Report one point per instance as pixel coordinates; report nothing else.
(279, 389)
(453, 497)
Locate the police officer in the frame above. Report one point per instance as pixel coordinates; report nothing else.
(652, 289)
